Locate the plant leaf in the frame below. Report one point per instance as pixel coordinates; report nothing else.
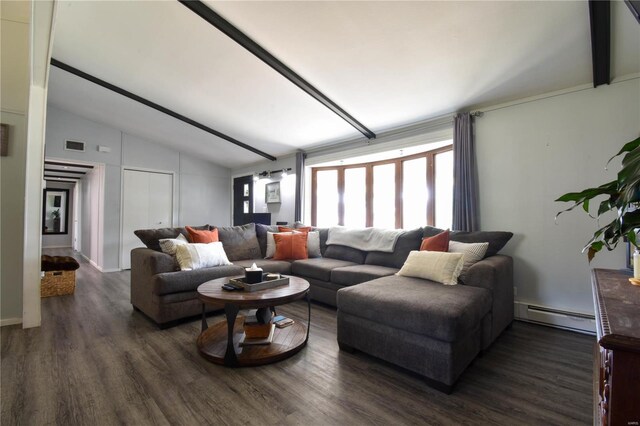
(629, 146)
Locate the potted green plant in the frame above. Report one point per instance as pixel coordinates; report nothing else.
(622, 197)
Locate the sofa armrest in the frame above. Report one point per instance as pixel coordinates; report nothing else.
(492, 273)
(495, 273)
(151, 262)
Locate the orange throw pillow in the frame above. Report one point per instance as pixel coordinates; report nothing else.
(197, 236)
(438, 242)
(304, 229)
(290, 246)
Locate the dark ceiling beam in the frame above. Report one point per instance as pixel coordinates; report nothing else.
(63, 177)
(60, 180)
(600, 18)
(65, 171)
(243, 40)
(58, 163)
(157, 107)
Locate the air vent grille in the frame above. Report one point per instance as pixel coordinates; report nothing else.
(74, 146)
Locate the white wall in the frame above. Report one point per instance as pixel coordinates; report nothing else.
(531, 153)
(202, 191)
(26, 29)
(280, 212)
(62, 240)
(205, 193)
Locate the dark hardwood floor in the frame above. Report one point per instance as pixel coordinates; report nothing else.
(95, 361)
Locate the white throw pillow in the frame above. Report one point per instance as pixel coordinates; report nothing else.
(313, 244)
(198, 255)
(438, 266)
(472, 252)
(168, 245)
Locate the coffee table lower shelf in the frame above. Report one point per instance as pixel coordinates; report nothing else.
(212, 344)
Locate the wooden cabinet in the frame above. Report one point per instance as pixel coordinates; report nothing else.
(617, 355)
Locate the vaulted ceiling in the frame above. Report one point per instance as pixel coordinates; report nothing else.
(388, 64)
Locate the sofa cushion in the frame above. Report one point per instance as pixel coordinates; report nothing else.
(177, 282)
(203, 236)
(267, 265)
(151, 237)
(240, 242)
(290, 246)
(200, 255)
(438, 242)
(405, 243)
(496, 239)
(438, 266)
(472, 252)
(324, 236)
(446, 313)
(319, 268)
(349, 254)
(169, 245)
(356, 274)
(261, 235)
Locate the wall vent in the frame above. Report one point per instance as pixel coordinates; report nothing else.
(74, 146)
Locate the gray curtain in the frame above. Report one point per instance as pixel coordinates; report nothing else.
(465, 175)
(300, 157)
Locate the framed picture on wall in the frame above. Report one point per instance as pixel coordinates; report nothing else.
(272, 193)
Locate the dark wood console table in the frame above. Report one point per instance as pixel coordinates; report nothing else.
(617, 355)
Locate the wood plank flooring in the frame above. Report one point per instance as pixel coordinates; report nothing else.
(96, 362)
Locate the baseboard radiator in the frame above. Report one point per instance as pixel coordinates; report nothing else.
(574, 321)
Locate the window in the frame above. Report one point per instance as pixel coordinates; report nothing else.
(406, 192)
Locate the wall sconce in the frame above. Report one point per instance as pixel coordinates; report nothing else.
(269, 173)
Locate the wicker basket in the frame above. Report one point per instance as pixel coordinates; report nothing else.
(58, 283)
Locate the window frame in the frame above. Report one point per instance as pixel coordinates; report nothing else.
(398, 161)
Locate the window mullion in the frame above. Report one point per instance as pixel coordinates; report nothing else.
(369, 196)
(314, 194)
(341, 196)
(399, 205)
(431, 210)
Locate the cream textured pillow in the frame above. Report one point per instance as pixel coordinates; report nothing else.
(472, 252)
(169, 245)
(198, 255)
(438, 266)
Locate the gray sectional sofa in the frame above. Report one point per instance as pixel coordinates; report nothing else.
(422, 326)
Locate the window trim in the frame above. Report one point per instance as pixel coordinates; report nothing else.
(398, 161)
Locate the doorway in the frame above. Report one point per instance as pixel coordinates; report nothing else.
(242, 198)
(147, 202)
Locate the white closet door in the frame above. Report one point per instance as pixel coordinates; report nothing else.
(147, 202)
(160, 200)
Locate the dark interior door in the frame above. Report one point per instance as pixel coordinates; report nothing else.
(242, 198)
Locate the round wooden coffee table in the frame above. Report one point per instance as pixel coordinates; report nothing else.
(220, 343)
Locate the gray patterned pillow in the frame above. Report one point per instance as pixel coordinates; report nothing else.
(240, 242)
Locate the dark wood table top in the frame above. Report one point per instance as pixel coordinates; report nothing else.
(618, 305)
(212, 292)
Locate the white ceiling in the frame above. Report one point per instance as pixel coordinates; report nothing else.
(388, 64)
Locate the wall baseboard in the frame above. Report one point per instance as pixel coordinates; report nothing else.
(573, 321)
(10, 321)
